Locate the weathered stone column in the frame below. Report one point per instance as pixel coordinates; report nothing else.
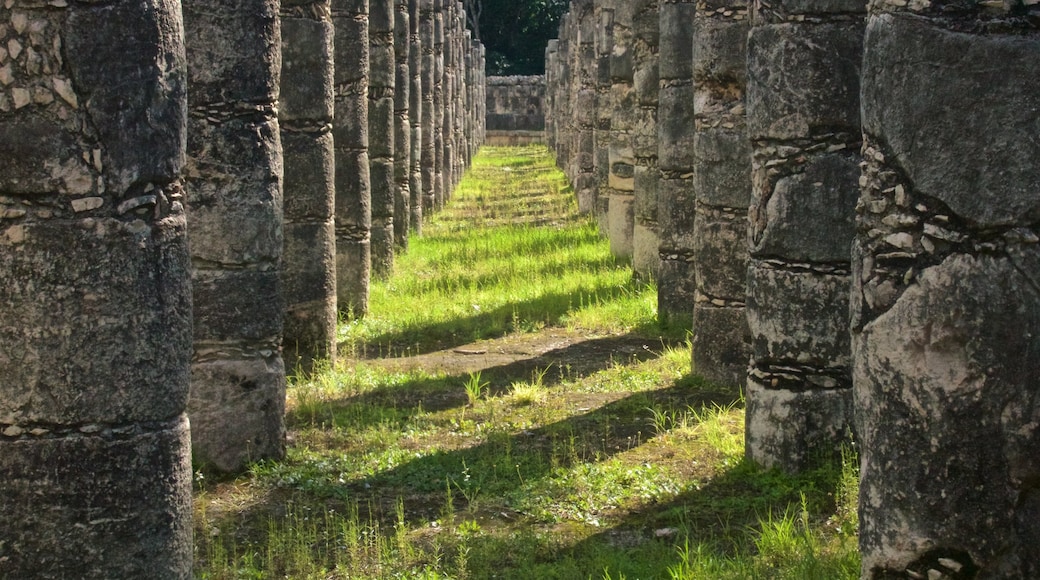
(646, 238)
(350, 134)
(461, 42)
(803, 120)
(95, 337)
(621, 212)
(381, 133)
(552, 54)
(447, 111)
(402, 124)
(415, 114)
(429, 127)
(722, 182)
(585, 105)
(676, 196)
(305, 118)
(438, 103)
(946, 299)
(561, 100)
(234, 187)
(603, 12)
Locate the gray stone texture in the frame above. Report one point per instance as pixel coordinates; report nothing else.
(646, 231)
(946, 300)
(95, 339)
(803, 67)
(624, 120)
(353, 207)
(516, 109)
(234, 202)
(381, 104)
(415, 116)
(603, 13)
(722, 182)
(429, 120)
(438, 103)
(402, 124)
(305, 111)
(676, 197)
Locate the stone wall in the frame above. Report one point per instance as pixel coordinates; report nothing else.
(515, 110)
(127, 128)
(827, 166)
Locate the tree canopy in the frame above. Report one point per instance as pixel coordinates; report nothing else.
(515, 32)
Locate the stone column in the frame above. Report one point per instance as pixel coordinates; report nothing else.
(381, 133)
(447, 111)
(603, 12)
(646, 238)
(461, 43)
(415, 114)
(552, 54)
(624, 114)
(946, 299)
(429, 125)
(561, 101)
(585, 105)
(438, 103)
(95, 336)
(305, 118)
(722, 182)
(402, 124)
(803, 120)
(234, 187)
(350, 133)
(676, 197)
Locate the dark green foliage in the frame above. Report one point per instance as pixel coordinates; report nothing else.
(515, 32)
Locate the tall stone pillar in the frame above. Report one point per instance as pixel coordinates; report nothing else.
(402, 124)
(722, 182)
(803, 120)
(305, 118)
(552, 54)
(946, 300)
(561, 101)
(624, 116)
(429, 125)
(603, 12)
(585, 105)
(438, 103)
(415, 115)
(676, 196)
(234, 188)
(381, 133)
(447, 111)
(95, 337)
(646, 238)
(353, 207)
(461, 42)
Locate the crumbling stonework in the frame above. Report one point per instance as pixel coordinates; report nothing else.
(803, 120)
(676, 195)
(603, 15)
(353, 209)
(721, 178)
(946, 299)
(381, 146)
(95, 337)
(438, 103)
(402, 124)
(515, 113)
(415, 115)
(646, 237)
(234, 202)
(621, 180)
(305, 111)
(430, 125)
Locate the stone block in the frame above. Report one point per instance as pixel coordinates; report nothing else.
(720, 343)
(720, 50)
(646, 242)
(806, 79)
(621, 223)
(309, 188)
(676, 213)
(722, 173)
(777, 303)
(224, 312)
(306, 90)
(809, 216)
(720, 254)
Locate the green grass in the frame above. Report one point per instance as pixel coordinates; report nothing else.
(588, 451)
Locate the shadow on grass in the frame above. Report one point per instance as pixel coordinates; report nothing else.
(548, 309)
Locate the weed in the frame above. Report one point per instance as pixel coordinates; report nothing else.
(475, 388)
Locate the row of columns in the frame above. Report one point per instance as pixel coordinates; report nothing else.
(842, 198)
(285, 141)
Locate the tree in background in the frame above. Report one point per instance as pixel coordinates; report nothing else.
(515, 32)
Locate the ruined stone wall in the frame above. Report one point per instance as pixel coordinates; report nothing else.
(95, 336)
(234, 203)
(305, 111)
(946, 300)
(516, 110)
